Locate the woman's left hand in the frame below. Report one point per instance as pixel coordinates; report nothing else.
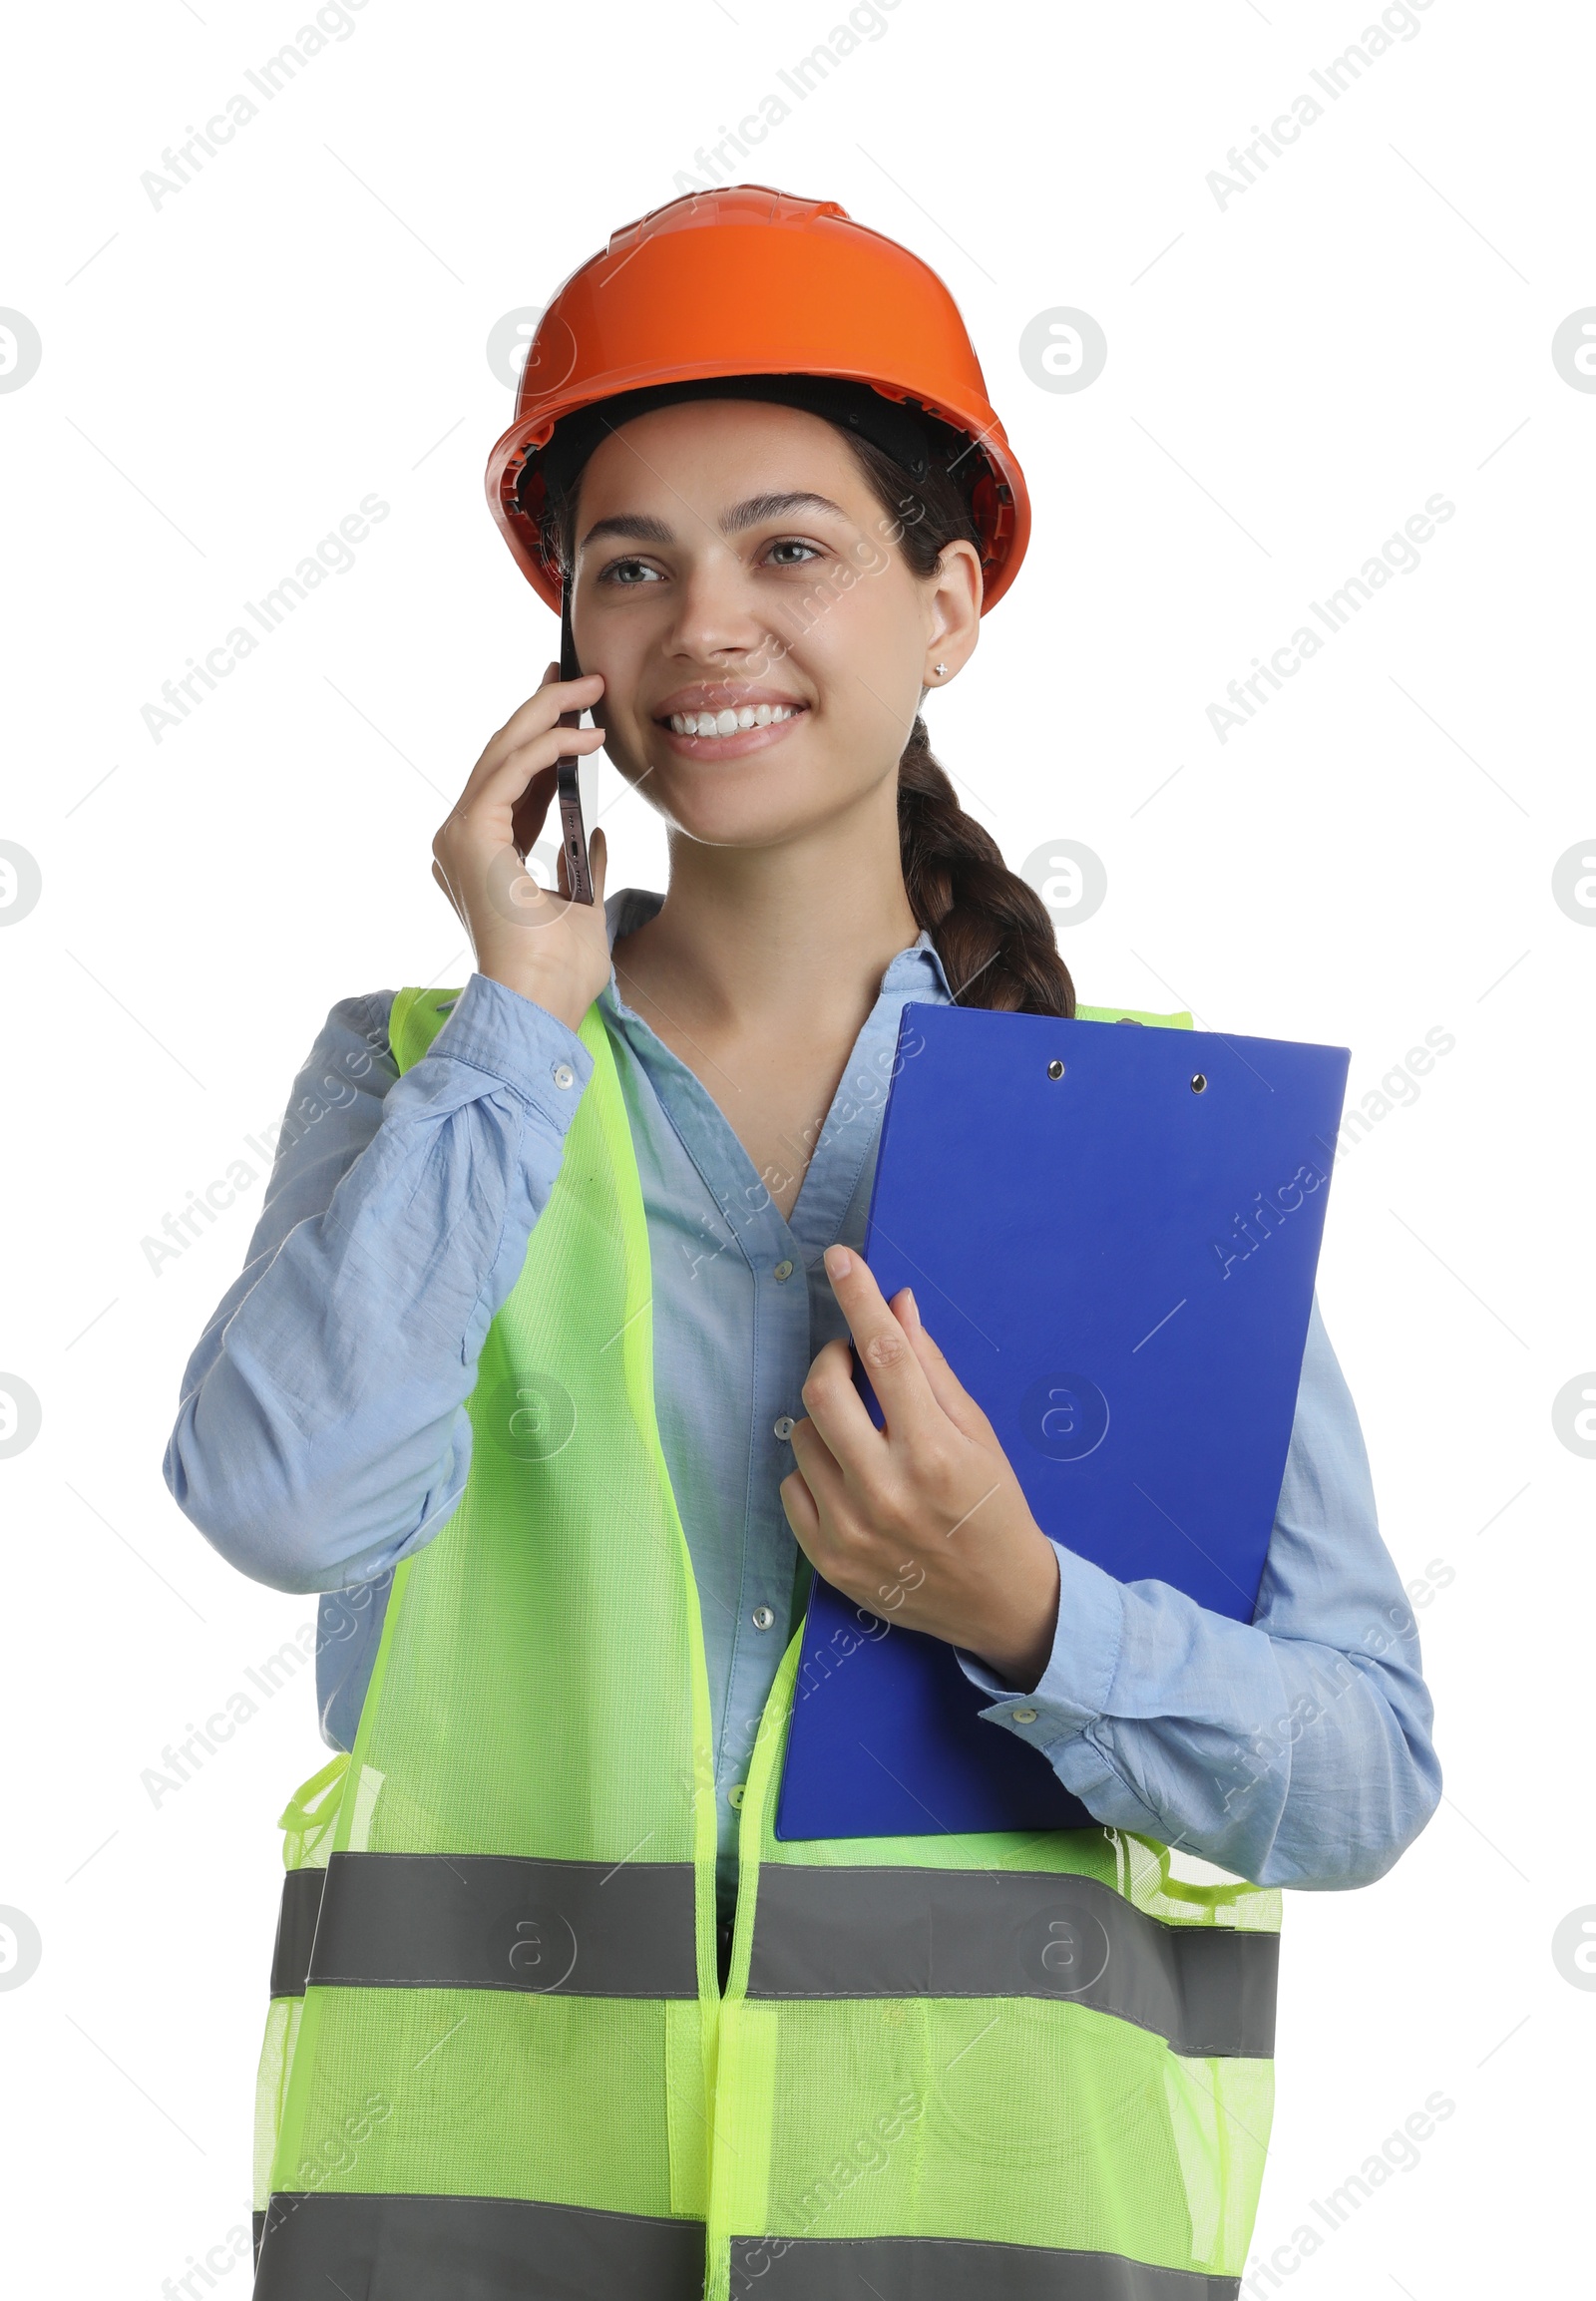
(923, 1522)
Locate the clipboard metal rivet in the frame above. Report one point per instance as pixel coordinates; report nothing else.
(1199, 1083)
(1055, 1069)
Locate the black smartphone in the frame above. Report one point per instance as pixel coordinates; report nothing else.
(572, 831)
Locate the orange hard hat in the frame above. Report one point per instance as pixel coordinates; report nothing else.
(749, 283)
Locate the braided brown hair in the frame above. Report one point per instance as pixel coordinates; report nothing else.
(990, 927)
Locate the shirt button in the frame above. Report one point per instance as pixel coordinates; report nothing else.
(565, 1076)
(734, 1794)
(762, 1618)
(1025, 1717)
(784, 1427)
(783, 1273)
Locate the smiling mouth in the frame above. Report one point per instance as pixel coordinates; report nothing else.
(730, 723)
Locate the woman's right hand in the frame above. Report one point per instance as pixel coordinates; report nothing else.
(534, 940)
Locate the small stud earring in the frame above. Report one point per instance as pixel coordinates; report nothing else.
(940, 670)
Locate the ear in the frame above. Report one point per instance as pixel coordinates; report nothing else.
(953, 610)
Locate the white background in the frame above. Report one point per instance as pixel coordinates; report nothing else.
(1371, 857)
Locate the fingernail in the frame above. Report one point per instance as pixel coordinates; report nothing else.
(839, 1262)
(914, 1307)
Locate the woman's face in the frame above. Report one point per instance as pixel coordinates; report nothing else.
(731, 559)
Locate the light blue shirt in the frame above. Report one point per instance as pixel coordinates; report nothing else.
(323, 1436)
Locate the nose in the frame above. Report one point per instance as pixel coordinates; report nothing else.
(718, 617)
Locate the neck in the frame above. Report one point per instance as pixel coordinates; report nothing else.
(741, 927)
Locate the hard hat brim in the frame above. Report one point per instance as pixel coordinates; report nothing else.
(511, 451)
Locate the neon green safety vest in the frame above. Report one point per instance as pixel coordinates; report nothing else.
(498, 2064)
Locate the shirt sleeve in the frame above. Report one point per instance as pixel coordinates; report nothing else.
(322, 1434)
(1294, 1750)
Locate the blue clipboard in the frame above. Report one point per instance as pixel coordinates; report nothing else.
(1113, 1235)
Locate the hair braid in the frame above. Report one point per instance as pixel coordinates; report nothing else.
(990, 927)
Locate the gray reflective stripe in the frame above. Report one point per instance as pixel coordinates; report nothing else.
(953, 2269)
(296, 1930)
(938, 1933)
(490, 1922)
(376, 2248)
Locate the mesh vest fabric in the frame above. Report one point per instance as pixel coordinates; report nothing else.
(502, 2034)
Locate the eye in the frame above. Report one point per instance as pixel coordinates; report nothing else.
(778, 552)
(630, 573)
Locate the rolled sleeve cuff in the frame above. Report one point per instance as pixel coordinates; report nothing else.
(1072, 1692)
(497, 1030)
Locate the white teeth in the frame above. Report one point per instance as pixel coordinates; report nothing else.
(730, 723)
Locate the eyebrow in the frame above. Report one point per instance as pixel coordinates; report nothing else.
(643, 528)
(758, 509)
